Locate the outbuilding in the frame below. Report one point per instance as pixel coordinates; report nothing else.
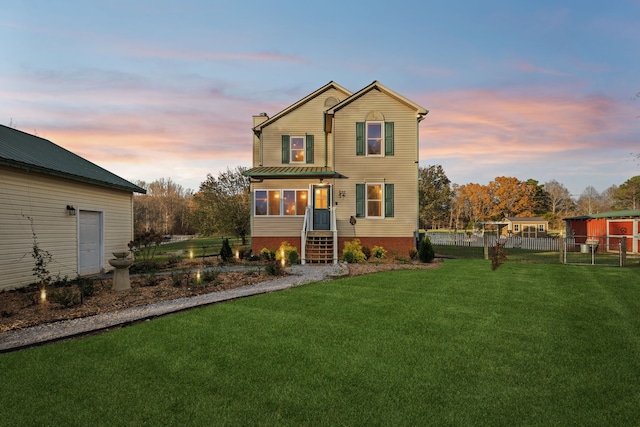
(606, 229)
(65, 205)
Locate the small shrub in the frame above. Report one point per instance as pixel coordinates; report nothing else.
(293, 257)
(379, 252)
(176, 278)
(65, 296)
(352, 251)
(498, 255)
(244, 252)
(265, 254)
(426, 250)
(274, 268)
(366, 251)
(209, 276)
(285, 252)
(413, 254)
(150, 279)
(86, 286)
(226, 254)
(173, 260)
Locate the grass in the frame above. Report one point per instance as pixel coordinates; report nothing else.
(199, 246)
(527, 344)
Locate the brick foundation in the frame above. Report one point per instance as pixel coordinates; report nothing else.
(273, 243)
(401, 245)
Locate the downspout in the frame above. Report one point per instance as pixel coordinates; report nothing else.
(326, 142)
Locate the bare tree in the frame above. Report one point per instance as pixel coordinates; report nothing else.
(559, 197)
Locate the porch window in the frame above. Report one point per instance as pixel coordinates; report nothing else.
(267, 202)
(260, 203)
(280, 202)
(274, 202)
(294, 202)
(541, 227)
(516, 228)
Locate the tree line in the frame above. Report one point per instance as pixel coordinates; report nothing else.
(444, 204)
(222, 204)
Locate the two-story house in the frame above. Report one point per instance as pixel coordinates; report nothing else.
(335, 166)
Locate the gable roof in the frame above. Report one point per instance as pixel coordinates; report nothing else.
(34, 154)
(526, 218)
(376, 85)
(629, 213)
(314, 94)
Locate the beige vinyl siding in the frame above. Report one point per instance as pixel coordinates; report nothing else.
(401, 169)
(285, 226)
(44, 199)
(307, 119)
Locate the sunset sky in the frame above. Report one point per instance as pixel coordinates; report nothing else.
(166, 89)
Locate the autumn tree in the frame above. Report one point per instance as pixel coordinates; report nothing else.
(165, 208)
(511, 197)
(435, 196)
(223, 204)
(474, 202)
(627, 196)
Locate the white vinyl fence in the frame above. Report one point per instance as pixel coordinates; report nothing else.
(462, 239)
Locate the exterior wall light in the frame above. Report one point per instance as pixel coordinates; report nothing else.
(71, 210)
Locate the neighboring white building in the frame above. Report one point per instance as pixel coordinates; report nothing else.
(77, 211)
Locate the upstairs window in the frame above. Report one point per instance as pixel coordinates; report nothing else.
(297, 149)
(375, 138)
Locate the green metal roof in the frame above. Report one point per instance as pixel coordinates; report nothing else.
(629, 213)
(281, 172)
(34, 154)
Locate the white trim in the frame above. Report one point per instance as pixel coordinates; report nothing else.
(366, 138)
(304, 149)
(366, 200)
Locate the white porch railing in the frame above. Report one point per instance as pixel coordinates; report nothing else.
(306, 225)
(334, 228)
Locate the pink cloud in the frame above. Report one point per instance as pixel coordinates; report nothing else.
(530, 68)
(158, 52)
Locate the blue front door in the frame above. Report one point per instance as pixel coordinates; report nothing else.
(321, 204)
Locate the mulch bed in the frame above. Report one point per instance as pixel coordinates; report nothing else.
(22, 308)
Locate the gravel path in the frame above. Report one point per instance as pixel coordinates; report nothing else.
(51, 332)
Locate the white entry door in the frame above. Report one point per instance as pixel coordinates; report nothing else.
(90, 242)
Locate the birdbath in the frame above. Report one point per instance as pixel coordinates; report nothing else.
(121, 273)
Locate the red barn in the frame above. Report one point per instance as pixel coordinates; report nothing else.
(607, 228)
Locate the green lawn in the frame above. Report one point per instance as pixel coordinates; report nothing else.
(527, 344)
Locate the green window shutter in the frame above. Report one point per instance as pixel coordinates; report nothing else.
(388, 138)
(309, 148)
(286, 149)
(360, 139)
(360, 200)
(388, 200)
